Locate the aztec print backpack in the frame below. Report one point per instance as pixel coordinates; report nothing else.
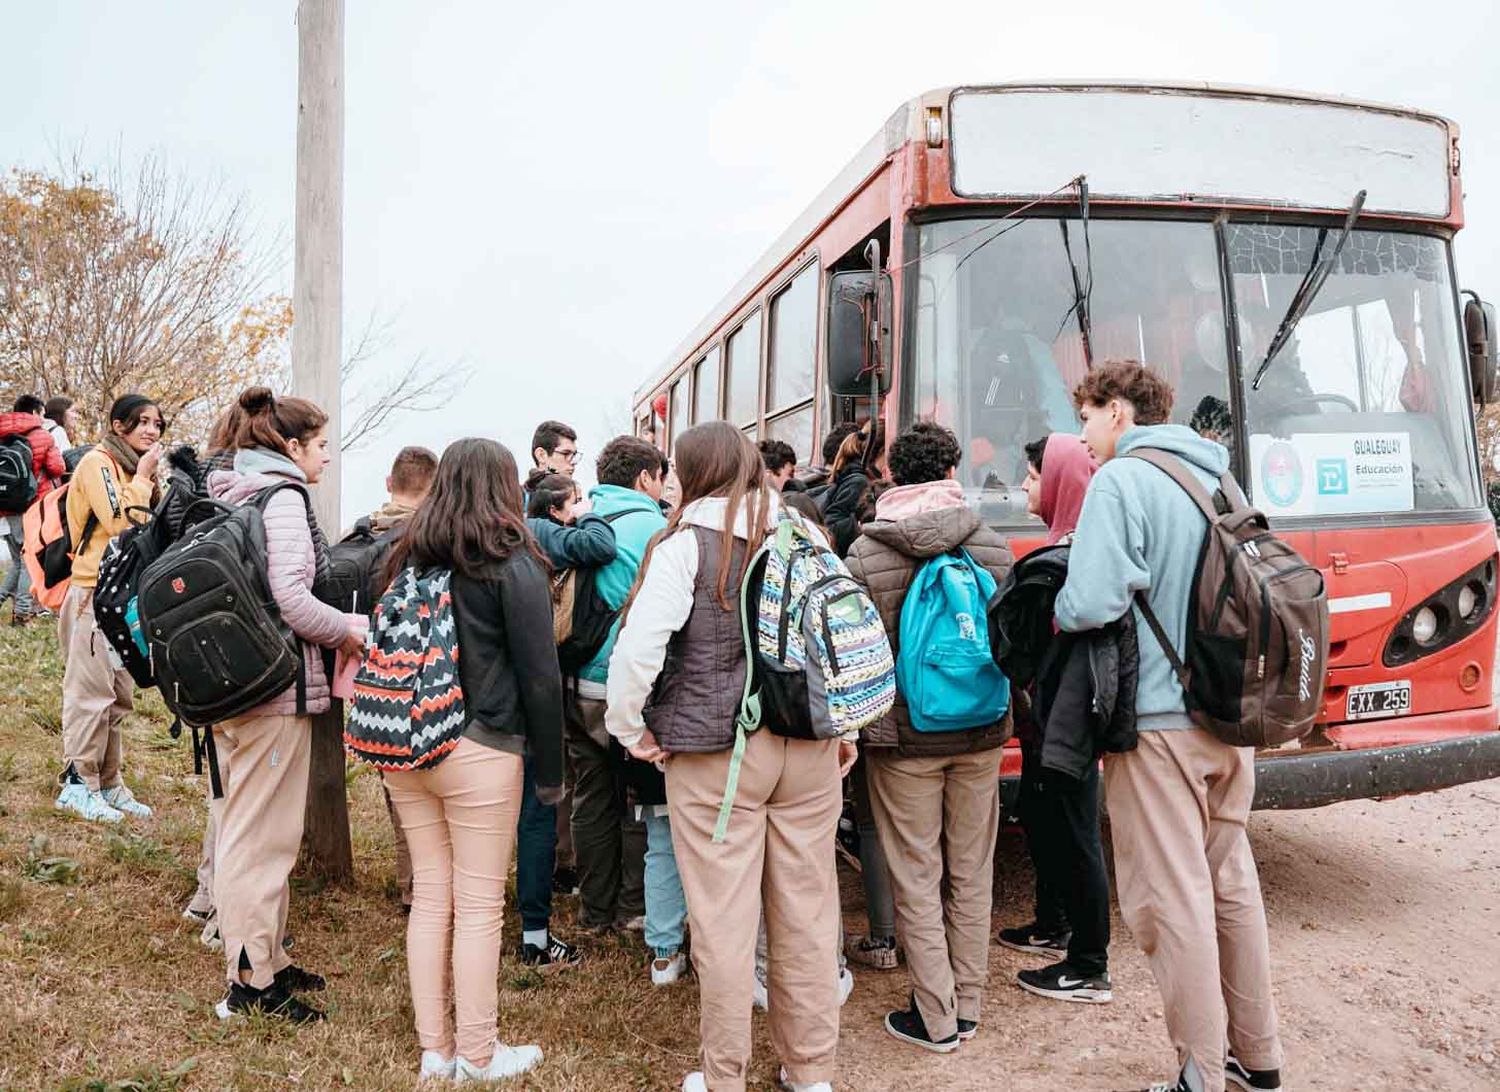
(408, 709)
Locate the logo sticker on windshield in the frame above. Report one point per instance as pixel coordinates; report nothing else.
(1281, 474)
(1333, 476)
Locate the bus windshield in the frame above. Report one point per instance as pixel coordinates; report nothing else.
(1371, 377)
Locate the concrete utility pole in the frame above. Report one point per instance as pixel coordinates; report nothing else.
(317, 331)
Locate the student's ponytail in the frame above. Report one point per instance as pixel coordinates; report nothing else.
(269, 422)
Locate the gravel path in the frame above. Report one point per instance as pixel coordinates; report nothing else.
(1385, 938)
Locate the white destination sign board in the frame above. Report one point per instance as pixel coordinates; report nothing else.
(1332, 473)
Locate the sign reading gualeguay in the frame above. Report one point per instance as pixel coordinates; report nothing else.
(1332, 473)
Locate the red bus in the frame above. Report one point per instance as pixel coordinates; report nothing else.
(1284, 259)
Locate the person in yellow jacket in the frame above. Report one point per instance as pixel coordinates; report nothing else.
(118, 474)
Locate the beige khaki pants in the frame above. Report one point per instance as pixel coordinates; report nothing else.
(263, 766)
(1190, 894)
(96, 694)
(778, 852)
(460, 822)
(940, 816)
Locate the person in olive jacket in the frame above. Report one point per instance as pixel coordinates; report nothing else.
(936, 796)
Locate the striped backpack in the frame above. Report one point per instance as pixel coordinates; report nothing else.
(408, 710)
(820, 662)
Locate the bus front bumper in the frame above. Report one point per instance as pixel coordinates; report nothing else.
(1326, 777)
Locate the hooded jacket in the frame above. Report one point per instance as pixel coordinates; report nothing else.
(1139, 532)
(912, 524)
(46, 459)
(637, 519)
(291, 567)
(1067, 468)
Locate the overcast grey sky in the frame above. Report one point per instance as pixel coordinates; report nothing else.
(558, 193)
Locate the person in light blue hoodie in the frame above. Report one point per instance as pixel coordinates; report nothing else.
(1178, 803)
(611, 846)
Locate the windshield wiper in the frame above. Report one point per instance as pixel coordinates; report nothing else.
(1082, 292)
(1312, 282)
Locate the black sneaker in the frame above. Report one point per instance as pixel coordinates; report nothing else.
(1061, 983)
(241, 1000)
(294, 979)
(565, 881)
(967, 1029)
(556, 956)
(1251, 1080)
(1035, 939)
(907, 1026)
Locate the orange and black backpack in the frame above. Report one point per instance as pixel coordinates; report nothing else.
(49, 548)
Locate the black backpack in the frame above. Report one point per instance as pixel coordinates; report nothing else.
(18, 482)
(356, 568)
(217, 641)
(592, 617)
(125, 561)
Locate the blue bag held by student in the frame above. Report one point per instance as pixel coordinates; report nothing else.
(944, 668)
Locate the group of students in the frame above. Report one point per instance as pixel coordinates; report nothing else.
(685, 821)
(35, 453)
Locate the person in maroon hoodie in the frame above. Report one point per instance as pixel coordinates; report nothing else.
(47, 467)
(1060, 814)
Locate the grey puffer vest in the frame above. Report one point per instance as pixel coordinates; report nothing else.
(696, 698)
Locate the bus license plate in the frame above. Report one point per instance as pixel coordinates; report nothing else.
(1389, 699)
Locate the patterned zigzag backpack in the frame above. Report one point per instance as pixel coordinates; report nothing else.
(820, 662)
(408, 709)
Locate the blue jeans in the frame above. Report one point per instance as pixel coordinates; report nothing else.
(17, 583)
(666, 905)
(536, 854)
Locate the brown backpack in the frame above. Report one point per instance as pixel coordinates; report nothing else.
(1257, 630)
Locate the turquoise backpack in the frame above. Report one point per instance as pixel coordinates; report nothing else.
(944, 667)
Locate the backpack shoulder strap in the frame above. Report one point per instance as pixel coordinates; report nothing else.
(1177, 470)
(1160, 633)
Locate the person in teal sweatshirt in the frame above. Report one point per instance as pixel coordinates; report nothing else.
(1178, 803)
(611, 849)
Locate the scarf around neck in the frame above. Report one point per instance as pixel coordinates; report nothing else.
(122, 453)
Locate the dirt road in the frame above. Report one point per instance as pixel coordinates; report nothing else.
(1385, 938)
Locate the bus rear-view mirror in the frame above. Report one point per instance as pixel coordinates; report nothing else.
(1479, 331)
(859, 333)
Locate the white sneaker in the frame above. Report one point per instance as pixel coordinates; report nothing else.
(636, 924)
(435, 1067)
(789, 1085)
(507, 1061)
(846, 985)
(122, 799)
(664, 972)
(87, 804)
(694, 1082)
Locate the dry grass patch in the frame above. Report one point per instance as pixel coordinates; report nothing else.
(106, 987)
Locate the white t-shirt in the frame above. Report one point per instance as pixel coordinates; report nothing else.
(59, 436)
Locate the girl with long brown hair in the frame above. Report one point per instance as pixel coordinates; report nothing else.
(459, 816)
(675, 681)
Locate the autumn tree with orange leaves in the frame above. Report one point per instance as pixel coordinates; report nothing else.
(108, 287)
(148, 283)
